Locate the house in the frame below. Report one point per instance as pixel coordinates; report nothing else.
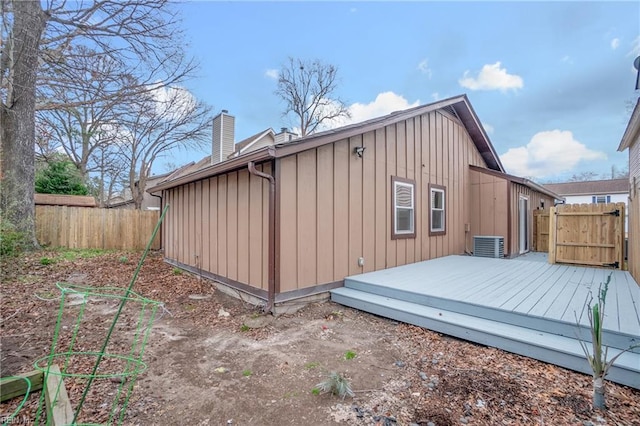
(631, 141)
(150, 201)
(224, 148)
(593, 192)
(290, 221)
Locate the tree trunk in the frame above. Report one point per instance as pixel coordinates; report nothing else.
(17, 120)
(598, 393)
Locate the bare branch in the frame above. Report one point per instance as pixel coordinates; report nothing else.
(307, 88)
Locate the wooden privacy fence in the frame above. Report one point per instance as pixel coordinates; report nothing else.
(541, 230)
(108, 229)
(587, 234)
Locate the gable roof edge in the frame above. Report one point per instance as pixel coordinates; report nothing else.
(460, 104)
(632, 130)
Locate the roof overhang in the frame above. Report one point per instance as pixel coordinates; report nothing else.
(632, 132)
(458, 105)
(522, 181)
(259, 155)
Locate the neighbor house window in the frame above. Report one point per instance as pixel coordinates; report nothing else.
(601, 199)
(403, 202)
(437, 210)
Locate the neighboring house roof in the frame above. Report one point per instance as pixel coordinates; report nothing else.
(591, 187)
(247, 143)
(64, 200)
(522, 181)
(459, 106)
(632, 132)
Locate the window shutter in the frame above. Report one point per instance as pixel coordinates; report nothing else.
(593, 199)
(608, 198)
(404, 196)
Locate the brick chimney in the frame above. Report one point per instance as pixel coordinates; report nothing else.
(223, 136)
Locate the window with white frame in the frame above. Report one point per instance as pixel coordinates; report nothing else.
(601, 199)
(437, 210)
(403, 225)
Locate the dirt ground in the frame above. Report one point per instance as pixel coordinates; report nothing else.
(215, 360)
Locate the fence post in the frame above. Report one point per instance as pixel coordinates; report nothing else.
(552, 236)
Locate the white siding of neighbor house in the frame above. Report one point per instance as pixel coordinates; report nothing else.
(615, 198)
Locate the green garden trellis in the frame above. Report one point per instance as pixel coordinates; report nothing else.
(109, 370)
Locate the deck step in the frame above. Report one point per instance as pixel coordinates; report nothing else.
(559, 350)
(611, 338)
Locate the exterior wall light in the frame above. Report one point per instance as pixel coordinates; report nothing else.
(359, 150)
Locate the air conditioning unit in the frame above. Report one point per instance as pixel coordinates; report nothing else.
(488, 246)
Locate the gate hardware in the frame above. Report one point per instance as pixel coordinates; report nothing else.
(615, 213)
(613, 265)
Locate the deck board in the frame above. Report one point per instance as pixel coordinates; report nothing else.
(526, 286)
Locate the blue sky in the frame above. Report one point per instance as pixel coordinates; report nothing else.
(552, 82)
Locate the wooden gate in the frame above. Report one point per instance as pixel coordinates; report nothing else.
(587, 234)
(541, 230)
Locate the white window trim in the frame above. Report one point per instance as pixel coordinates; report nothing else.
(443, 229)
(411, 233)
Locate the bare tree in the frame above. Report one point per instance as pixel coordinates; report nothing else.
(40, 40)
(307, 88)
(18, 66)
(165, 120)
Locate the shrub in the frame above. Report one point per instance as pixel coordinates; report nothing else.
(12, 242)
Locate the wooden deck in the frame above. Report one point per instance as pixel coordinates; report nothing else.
(523, 305)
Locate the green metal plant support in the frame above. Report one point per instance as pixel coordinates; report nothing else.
(111, 369)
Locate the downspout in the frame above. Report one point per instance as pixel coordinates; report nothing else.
(160, 230)
(271, 294)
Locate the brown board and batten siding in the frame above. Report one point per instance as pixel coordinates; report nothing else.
(218, 226)
(335, 207)
(494, 200)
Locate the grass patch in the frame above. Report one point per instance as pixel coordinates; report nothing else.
(315, 391)
(123, 259)
(350, 355)
(246, 373)
(244, 327)
(47, 261)
(177, 271)
(311, 365)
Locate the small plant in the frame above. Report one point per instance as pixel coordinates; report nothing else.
(311, 365)
(598, 356)
(12, 242)
(46, 261)
(123, 259)
(246, 373)
(315, 391)
(177, 271)
(244, 327)
(350, 355)
(337, 384)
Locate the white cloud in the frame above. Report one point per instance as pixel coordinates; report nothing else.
(384, 103)
(353, 10)
(423, 66)
(548, 153)
(272, 73)
(615, 43)
(488, 128)
(435, 96)
(492, 77)
(567, 59)
(173, 102)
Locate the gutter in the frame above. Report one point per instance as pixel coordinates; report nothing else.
(271, 294)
